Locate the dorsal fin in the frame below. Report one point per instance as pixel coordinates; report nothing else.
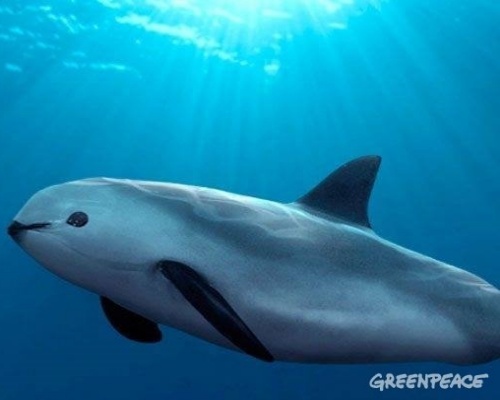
(345, 193)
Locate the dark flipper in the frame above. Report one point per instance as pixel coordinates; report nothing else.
(131, 325)
(214, 308)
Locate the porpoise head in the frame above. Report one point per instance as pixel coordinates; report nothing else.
(89, 231)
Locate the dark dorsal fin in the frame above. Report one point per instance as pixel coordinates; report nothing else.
(345, 193)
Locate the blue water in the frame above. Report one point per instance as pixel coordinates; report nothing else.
(262, 98)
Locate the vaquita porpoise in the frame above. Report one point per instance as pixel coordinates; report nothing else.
(307, 281)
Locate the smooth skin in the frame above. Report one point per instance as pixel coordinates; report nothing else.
(307, 281)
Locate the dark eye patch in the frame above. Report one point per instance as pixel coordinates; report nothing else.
(78, 219)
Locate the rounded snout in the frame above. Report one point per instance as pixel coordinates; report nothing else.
(16, 228)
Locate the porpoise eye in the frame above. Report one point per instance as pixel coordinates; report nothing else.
(78, 219)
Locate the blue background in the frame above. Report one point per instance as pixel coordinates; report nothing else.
(83, 94)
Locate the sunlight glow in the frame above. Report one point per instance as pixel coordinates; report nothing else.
(237, 31)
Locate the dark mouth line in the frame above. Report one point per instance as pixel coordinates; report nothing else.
(17, 227)
(39, 225)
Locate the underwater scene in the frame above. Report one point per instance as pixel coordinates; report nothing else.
(258, 195)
